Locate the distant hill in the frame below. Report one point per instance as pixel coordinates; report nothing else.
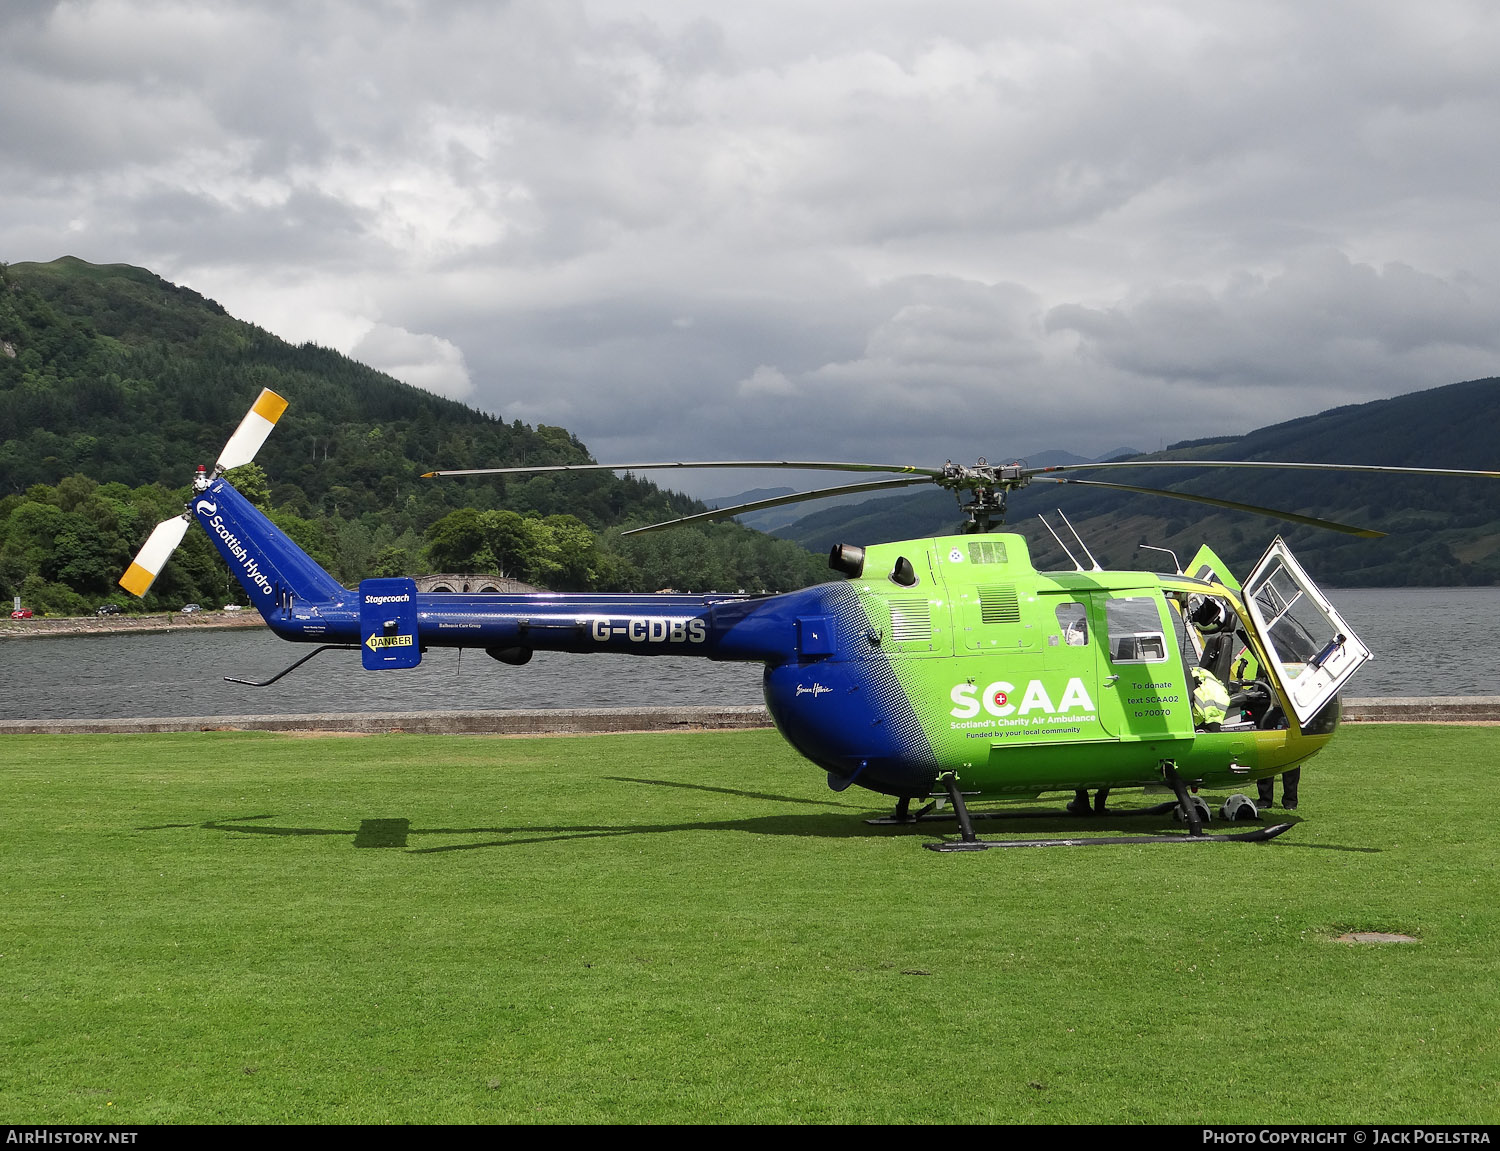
(1442, 532)
(762, 521)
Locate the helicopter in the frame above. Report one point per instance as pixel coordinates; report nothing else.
(942, 669)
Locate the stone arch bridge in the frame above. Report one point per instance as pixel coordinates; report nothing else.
(473, 584)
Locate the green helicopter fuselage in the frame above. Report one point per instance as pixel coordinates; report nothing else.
(1024, 681)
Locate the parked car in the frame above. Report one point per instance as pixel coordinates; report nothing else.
(233, 607)
(109, 609)
(190, 608)
(22, 613)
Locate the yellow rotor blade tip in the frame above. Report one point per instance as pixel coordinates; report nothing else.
(269, 406)
(137, 580)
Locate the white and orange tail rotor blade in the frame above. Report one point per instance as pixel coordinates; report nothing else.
(252, 432)
(154, 555)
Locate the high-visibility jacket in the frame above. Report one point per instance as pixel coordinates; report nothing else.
(1210, 698)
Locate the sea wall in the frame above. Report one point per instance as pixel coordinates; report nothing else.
(586, 721)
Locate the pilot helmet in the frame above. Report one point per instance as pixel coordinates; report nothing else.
(1207, 614)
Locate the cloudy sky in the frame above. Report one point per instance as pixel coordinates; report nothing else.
(827, 229)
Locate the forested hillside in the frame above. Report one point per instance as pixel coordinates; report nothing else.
(115, 384)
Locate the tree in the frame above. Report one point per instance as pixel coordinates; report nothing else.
(393, 561)
(454, 540)
(83, 558)
(251, 481)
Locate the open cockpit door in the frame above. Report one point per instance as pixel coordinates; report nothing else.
(1314, 650)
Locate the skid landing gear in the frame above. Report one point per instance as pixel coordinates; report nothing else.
(933, 813)
(968, 841)
(904, 814)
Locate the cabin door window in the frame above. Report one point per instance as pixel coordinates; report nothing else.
(1142, 694)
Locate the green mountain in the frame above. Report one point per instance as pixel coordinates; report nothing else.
(115, 384)
(1441, 532)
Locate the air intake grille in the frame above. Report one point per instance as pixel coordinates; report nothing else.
(998, 604)
(986, 552)
(911, 620)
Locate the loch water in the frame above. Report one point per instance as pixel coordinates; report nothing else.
(1427, 641)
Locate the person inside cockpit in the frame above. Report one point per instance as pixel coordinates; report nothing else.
(1237, 690)
(1209, 614)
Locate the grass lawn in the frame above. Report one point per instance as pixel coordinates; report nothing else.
(227, 927)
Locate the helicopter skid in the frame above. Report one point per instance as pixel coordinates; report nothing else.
(1258, 835)
(929, 816)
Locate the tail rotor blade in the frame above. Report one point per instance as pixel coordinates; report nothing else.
(154, 555)
(253, 430)
(240, 450)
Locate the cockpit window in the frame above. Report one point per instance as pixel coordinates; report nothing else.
(1187, 638)
(1135, 632)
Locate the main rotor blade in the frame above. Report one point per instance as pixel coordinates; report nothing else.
(1311, 521)
(153, 556)
(1459, 472)
(253, 430)
(795, 498)
(794, 465)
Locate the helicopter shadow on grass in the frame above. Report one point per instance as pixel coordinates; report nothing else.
(399, 833)
(1047, 822)
(1297, 821)
(840, 824)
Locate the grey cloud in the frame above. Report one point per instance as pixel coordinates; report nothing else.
(423, 360)
(849, 228)
(934, 365)
(1324, 318)
(189, 229)
(305, 225)
(49, 126)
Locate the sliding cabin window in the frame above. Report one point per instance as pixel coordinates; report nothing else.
(1133, 627)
